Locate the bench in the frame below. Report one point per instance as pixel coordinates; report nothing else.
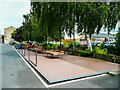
(54, 53)
(39, 48)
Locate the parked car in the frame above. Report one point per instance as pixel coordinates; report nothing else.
(112, 44)
(19, 46)
(83, 43)
(96, 43)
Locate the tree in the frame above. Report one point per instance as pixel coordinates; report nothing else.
(118, 39)
(94, 16)
(17, 34)
(13, 35)
(47, 19)
(27, 28)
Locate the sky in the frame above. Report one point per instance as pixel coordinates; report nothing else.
(12, 11)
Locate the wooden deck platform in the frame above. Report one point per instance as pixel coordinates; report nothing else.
(69, 67)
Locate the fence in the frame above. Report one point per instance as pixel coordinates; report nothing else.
(29, 55)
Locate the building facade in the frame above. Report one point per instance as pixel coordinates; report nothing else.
(7, 34)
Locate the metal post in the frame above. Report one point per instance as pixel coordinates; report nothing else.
(24, 51)
(36, 57)
(28, 54)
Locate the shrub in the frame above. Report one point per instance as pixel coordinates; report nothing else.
(97, 50)
(83, 47)
(13, 43)
(45, 45)
(37, 44)
(85, 53)
(113, 50)
(102, 45)
(66, 45)
(48, 46)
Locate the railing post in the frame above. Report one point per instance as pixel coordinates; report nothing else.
(36, 57)
(24, 51)
(28, 54)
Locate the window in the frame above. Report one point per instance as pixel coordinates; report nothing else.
(5, 35)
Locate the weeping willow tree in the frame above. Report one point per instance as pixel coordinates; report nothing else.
(50, 19)
(94, 16)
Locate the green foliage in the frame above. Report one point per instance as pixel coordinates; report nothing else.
(13, 35)
(66, 45)
(45, 45)
(38, 44)
(102, 45)
(54, 46)
(85, 53)
(16, 35)
(118, 39)
(83, 47)
(49, 20)
(48, 46)
(13, 43)
(113, 50)
(98, 50)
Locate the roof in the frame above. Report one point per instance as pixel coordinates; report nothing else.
(98, 39)
(10, 27)
(102, 35)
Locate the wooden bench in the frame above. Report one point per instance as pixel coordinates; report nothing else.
(39, 48)
(54, 53)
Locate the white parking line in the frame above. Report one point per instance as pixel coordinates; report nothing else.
(32, 69)
(76, 80)
(61, 83)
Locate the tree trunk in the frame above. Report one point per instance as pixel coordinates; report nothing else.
(74, 40)
(30, 35)
(88, 42)
(60, 38)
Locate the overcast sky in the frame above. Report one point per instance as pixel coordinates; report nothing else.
(12, 11)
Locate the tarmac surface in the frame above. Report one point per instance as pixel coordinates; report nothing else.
(17, 74)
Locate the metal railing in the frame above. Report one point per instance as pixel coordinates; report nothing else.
(23, 52)
(35, 63)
